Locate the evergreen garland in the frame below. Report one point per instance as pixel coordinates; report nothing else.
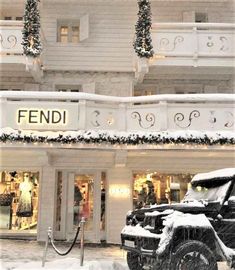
(143, 41)
(31, 31)
(91, 137)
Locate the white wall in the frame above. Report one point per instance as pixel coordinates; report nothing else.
(46, 202)
(112, 28)
(103, 83)
(109, 46)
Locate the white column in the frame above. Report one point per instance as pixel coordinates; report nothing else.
(82, 115)
(47, 201)
(3, 112)
(118, 201)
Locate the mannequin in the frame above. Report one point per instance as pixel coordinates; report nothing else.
(25, 206)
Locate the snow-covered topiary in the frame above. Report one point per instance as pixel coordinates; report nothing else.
(143, 41)
(31, 31)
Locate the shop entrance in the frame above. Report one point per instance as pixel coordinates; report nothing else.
(80, 195)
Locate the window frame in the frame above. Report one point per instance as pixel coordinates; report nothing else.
(69, 24)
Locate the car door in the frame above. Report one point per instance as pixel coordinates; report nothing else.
(226, 224)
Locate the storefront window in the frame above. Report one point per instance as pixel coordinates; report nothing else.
(156, 188)
(83, 200)
(19, 200)
(102, 207)
(58, 201)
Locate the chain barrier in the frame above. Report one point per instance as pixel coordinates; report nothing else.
(50, 239)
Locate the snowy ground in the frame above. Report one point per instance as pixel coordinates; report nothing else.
(27, 255)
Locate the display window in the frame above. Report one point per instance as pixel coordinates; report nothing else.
(157, 188)
(19, 200)
(102, 201)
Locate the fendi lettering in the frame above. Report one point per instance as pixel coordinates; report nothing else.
(41, 116)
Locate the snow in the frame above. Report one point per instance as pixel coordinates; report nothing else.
(195, 203)
(70, 264)
(157, 213)
(232, 198)
(227, 172)
(227, 252)
(138, 231)
(142, 99)
(92, 136)
(177, 219)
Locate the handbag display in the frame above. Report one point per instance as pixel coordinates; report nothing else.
(5, 199)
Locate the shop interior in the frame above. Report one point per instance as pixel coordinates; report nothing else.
(84, 200)
(158, 188)
(19, 200)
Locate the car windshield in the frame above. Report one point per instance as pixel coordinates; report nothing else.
(204, 193)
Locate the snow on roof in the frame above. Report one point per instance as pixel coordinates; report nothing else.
(222, 173)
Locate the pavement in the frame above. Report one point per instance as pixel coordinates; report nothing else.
(14, 252)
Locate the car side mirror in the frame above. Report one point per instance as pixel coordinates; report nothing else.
(231, 202)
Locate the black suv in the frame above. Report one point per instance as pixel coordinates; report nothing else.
(193, 234)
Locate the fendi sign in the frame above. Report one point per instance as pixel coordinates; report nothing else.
(42, 115)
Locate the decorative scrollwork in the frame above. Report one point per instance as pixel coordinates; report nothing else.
(11, 40)
(179, 118)
(95, 122)
(210, 43)
(224, 47)
(110, 119)
(212, 118)
(150, 118)
(165, 42)
(230, 122)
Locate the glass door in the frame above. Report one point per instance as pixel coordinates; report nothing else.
(80, 195)
(83, 200)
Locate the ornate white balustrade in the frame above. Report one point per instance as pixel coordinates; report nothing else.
(204, 112)
(195, 44)
(11, 37)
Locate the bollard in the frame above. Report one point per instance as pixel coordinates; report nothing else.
(82, 240)
(46, 246)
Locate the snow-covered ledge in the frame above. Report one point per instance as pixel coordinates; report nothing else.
(161, 119)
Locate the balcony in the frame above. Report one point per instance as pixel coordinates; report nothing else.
(190, 44)
(184, 116)
(11, 50)
(11, 37)
(194, 44)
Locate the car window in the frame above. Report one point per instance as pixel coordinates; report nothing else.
(233, 191)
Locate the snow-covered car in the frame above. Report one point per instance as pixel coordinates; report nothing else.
(193, 234)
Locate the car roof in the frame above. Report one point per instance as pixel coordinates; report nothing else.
(222, 175)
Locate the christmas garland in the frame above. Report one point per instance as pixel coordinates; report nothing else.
(31, 31)
(118, 138)
(143, 41)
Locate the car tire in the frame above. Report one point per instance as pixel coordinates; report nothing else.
(133, 261)
(193, 255)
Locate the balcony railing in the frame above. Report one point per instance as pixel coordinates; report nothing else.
(81, 111)
(11, 38)
(196, 44)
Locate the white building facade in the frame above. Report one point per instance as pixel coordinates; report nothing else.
(94, 127)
